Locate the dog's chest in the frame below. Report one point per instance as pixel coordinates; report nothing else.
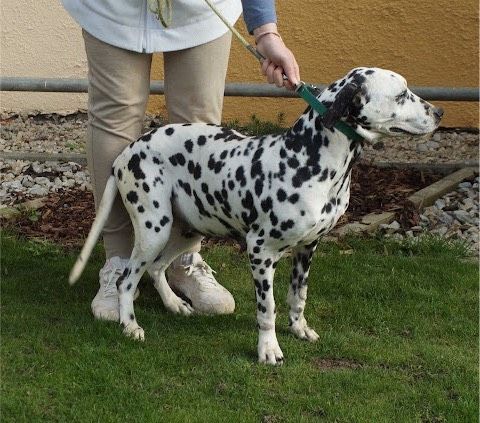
(328, 212)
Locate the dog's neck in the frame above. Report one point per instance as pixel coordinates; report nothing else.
(308, 135)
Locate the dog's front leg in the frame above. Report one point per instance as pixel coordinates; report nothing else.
(263, 270)
(297, 293)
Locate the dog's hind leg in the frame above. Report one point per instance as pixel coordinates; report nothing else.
(178, 243)
(297, 293)
(148, 243)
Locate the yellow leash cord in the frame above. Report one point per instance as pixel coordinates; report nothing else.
(162, 9)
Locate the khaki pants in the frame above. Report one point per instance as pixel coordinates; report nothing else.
(119, 82)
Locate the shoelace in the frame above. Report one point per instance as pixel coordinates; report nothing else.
(111, 276)
(201, 270)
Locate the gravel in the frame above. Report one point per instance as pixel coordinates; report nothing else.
(454, 216)
(52, 133)
(21, 180)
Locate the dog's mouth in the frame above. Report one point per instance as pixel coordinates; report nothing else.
(398, 130)
(395, 130)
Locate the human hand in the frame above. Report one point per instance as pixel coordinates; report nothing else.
(279, 59)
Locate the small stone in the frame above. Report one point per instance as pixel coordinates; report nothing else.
(38, 190)
(37, 167)
(442, 230)
(432, 145)
(394, 225)
(27, 181)
(465, 184)
(41, 180)
(445, 218)
(15, 185)
(422, 148)
(397, 237)
(69, 183)
(440, 204)
(463, 216)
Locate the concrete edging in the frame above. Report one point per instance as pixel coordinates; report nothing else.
(18, 209)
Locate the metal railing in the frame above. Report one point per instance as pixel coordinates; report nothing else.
(231, 89)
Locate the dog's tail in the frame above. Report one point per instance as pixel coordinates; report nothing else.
(102, 214)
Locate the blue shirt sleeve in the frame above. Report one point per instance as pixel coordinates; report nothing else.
(258, 12)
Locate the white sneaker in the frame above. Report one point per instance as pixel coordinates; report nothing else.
(193, 279)
(105, 304)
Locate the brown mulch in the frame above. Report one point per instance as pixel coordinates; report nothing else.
(67, 216)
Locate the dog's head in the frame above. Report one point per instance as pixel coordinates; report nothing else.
(377, 102)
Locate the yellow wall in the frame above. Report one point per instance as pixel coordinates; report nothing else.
(431, 43)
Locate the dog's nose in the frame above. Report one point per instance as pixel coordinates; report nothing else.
(438, 112)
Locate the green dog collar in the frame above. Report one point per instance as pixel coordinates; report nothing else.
(303, 91)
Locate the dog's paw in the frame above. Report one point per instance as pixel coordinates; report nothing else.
(132, 330)
(269, 351)
(178, 306)
(301, 330)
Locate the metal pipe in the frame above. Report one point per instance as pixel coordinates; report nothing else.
(231, 89)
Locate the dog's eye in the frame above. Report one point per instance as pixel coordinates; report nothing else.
(401, 95)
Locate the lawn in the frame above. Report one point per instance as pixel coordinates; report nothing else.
(398, 343)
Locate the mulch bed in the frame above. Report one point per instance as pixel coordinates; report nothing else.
(67, 216)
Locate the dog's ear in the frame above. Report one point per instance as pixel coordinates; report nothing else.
(339, 106)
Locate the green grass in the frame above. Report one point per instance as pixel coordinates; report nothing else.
(397, 324)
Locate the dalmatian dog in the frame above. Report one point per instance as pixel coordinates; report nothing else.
(182, 182)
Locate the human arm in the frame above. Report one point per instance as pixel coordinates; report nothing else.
(260, 18)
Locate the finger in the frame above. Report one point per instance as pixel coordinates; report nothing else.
(289, 85)
(297, 71)
(270, 73)
(291, 70)
(278, 76)
(265, 65)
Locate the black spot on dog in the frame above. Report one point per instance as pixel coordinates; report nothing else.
(240, 176)
(288, 224)
(281, 195)
(303, 174)
(274, 233)
(201, 140)
(273, 218)
(134, 167)
(293, 198)
(148, 224)
(164, 220)
(155, 204)
(293, 162)
(258, 187)
(132, 197)
(119, 174)
(169, 131)
(267, 204)
(189, 145)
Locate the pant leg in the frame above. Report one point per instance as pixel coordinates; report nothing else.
(195, 85)
(195, 81)
(118, 90)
